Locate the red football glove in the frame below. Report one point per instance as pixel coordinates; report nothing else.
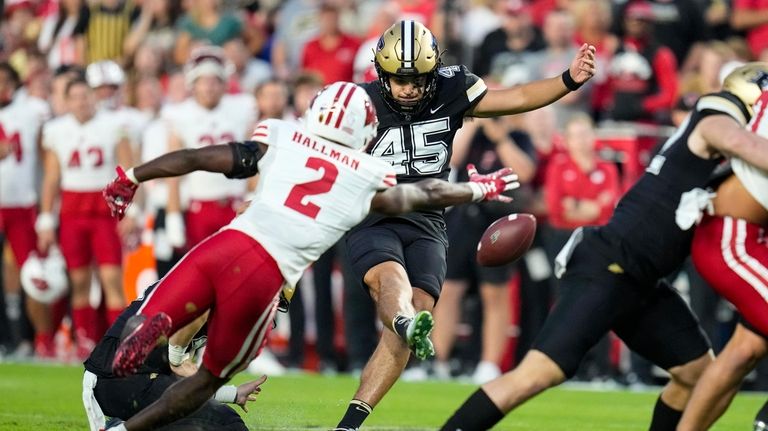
(489, 187)
(119, 193)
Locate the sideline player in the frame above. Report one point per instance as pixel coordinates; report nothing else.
(314, 186)
(730, 250)
(20, 124)
(402, 260)
(207, 118)
(123, 397)
(610, 273)
(82, 150)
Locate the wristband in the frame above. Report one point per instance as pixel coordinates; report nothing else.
(226, 394)
(569, 82)
(131, 176)
(176, 354)
(45, 221)
(477, 191)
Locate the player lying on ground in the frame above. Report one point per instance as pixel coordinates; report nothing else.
(730, 250)
(315, 185)
(122, 397)
(610, 273)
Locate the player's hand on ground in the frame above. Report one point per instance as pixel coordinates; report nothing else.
(185, 369)
(119, 193)
(583, 66)
(247, 391)
(494, 184)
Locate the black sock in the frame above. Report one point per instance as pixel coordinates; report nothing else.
(761, 420)
(357, 412)
(400, 324)
(477, 413)
(665, 418)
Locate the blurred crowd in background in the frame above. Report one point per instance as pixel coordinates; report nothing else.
(137, 60)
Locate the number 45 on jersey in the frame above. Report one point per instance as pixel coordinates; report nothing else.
(415, 149)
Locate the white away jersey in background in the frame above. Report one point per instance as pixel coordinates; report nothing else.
(311, 191)
(86, 152)
(198, 127)
(20, 124)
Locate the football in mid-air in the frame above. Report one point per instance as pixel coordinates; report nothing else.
(506, 240)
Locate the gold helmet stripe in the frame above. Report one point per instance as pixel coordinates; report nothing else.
(406, 31)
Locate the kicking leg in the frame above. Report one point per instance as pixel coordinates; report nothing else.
(392, 353)
(722, 379)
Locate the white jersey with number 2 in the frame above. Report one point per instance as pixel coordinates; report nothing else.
(311, 192)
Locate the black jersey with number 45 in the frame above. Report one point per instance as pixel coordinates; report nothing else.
(419, 146)
(652, 223)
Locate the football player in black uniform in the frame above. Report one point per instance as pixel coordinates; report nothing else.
(122, 397)
(402, 260)
(609, 274)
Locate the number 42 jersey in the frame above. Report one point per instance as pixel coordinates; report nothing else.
(311, 191)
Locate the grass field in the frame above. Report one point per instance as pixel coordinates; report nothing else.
(46, 397)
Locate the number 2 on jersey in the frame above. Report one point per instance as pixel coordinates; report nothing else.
(299, 192)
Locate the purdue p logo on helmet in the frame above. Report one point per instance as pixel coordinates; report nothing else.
(747, 82)
(407, 49)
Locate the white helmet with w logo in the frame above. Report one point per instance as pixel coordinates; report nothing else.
(343, 113)
(44, 279)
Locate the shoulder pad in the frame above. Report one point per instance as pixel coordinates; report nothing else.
(721, 103)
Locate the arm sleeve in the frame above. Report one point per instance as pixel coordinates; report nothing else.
(245, 159)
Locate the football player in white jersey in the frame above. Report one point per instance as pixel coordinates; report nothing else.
(315, 185)
(209, 117)
(107, 80)
(730, 250)
(20, 123)
(81, 150)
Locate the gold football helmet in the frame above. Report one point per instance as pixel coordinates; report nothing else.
(407, 48)
(747, 82)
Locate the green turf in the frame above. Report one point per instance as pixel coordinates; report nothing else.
(44, 397)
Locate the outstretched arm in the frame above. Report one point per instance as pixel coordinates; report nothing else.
(235, 160)
(215, 158)
(535, 94)
(436, 194)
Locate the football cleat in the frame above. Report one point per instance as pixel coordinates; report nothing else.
(135, 348)
(418, 333)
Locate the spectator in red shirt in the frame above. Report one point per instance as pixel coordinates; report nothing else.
(580, 188)
(751, 16)
(331, 53)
